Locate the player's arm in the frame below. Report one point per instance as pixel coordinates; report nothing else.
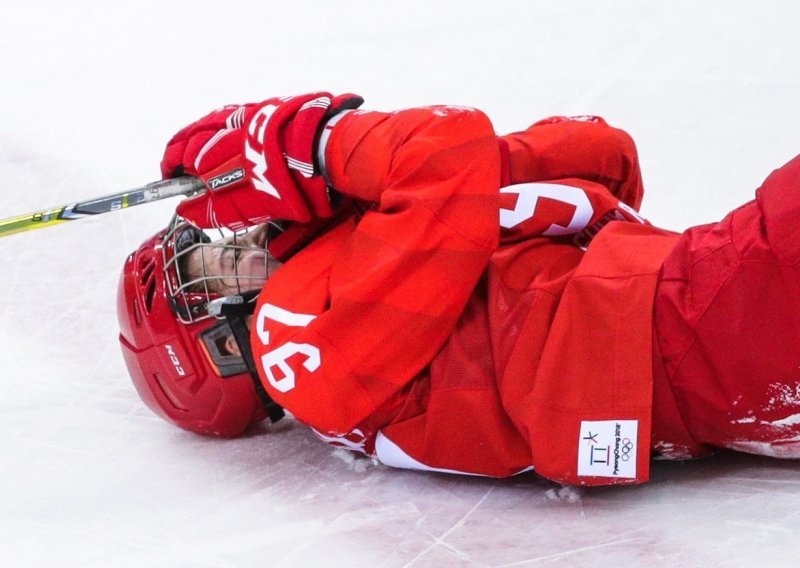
(584, 148)
(566, 178)
(400, 279)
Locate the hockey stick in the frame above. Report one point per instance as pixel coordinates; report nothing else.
(155, 191)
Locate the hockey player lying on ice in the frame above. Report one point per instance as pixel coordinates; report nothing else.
(450, 300)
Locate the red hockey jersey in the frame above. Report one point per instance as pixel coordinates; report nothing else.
(490, 314)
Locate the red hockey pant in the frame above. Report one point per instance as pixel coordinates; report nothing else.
(727, 323)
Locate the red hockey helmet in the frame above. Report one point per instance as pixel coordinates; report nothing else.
(174, 349)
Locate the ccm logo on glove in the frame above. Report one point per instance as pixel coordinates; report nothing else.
(257, 161)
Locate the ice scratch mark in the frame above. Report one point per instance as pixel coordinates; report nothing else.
(560, 555)
(761, 480)
(441, 540)
(761, 527)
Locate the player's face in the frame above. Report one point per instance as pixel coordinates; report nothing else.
(233, 264)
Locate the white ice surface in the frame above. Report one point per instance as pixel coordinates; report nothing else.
(90, 93)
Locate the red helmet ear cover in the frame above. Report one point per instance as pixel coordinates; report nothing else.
(164, 357)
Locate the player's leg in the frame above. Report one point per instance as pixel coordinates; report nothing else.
(727, 321)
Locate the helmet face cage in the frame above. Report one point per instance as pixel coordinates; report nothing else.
(189, 293)
(182, 360)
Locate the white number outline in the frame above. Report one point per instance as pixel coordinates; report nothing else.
(278, 356)
(529, 194)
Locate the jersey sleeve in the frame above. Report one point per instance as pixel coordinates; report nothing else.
(584, 148)
(567, 178)
(337, 343)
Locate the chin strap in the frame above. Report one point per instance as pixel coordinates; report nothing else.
(235, 309)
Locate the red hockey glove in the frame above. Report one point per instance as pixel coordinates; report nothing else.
(257, 161)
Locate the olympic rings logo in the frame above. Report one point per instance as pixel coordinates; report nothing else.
(626, 449)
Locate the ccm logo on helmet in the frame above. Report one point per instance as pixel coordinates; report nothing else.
(175, 361)
(226, 179)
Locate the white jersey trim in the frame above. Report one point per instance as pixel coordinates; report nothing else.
(389, 453)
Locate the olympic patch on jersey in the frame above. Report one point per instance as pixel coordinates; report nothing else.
(607, 448)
